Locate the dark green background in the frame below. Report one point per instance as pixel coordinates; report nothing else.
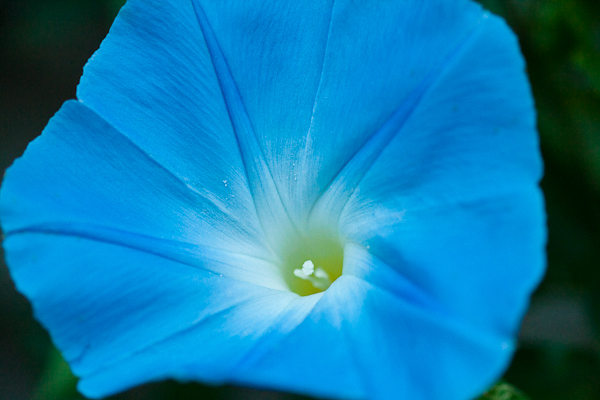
(44, 45)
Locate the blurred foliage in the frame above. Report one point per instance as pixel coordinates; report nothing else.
(503, 391)
(45, 43)
(560, 40)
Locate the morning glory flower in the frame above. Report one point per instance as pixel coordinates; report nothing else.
(336, 198)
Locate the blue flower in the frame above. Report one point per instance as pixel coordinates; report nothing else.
(338, 198)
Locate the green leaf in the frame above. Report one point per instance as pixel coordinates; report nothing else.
(57, 382)
(503, 391)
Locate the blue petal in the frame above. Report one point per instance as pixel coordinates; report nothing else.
(160, 82)
(82, 177)
(448, 355)
(314, 356)
(350, 75)
(154, 80)
(388, 342)
(122, 317)
(453, 201)
(471, 132)
(294, 64)
(481, 257)
(373, 75)
(275, 51)
(396, 129)
(446, 192)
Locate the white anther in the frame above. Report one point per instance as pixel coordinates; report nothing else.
(308, 267)
(300, 274)
(320, 273)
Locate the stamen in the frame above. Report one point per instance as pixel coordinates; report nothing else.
(308, 267)
(318, 277)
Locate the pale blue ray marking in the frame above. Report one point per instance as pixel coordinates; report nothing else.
(232, 265)
(274, 218)
(329, 205)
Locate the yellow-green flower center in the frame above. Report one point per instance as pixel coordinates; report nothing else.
(312, 262)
